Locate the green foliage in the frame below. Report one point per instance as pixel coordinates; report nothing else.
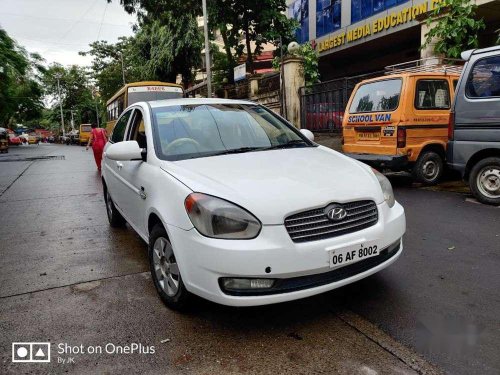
(311, 57)
(261, 21)
(76, 95)
(106, 67)
(20, 90)
(456, 28)
(167, 42)
(220, 66)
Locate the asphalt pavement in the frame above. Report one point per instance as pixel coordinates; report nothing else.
(66, 277)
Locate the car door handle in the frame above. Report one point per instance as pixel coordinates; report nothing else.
(119, 165)
(142, 193)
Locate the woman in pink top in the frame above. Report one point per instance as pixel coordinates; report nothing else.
(97, 139)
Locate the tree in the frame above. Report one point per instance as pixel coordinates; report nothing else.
(260, 21)
(456, 29)
(20, 90)
(76, 93)
(106, 67)
(168, 41)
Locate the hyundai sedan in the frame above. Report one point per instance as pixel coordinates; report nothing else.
(241, 208)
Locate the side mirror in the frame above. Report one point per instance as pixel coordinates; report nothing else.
(309, 134)
(124, 151)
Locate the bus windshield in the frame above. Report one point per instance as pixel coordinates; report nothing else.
(150, 93)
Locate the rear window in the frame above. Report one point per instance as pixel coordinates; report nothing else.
(85, 128)
(484, 79)
(380, 96)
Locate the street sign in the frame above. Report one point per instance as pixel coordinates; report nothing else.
(240, 72)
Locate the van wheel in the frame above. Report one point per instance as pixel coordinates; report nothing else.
(429, 168)
(165, 270)
(115, 218)
(484, 181)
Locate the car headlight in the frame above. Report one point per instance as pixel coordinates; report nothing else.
(386, 186)
(218, 218)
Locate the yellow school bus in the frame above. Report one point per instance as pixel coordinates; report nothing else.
(84, 135)
(139, 92)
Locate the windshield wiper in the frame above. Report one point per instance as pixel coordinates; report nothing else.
(238, 150)
(290, 144)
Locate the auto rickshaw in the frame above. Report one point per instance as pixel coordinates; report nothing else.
(4, 142)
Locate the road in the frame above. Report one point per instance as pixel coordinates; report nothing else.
(67, 277)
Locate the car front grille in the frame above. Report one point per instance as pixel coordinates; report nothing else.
(314, 224)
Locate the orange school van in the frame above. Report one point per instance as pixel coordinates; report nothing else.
(400, 122)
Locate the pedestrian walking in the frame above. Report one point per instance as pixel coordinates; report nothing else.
(97, 139)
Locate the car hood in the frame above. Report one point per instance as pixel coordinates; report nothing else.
(274, 184)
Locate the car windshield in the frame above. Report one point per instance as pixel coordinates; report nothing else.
(193, 131)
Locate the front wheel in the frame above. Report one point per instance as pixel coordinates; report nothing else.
(165, 270)
(429, 168)
(484, 181)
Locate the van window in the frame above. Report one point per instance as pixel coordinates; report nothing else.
(484, 79)
(380, 96)
(432, 94)
(119, 130)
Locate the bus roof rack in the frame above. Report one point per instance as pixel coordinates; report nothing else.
(427, 65)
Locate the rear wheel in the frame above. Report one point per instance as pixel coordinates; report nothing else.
(484, 181)
(115, 218)
(165, 270)
(429, 168)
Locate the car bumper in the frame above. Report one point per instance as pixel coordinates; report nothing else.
(204, 261)
(382, 161)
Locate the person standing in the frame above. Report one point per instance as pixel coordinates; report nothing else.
(97, 139)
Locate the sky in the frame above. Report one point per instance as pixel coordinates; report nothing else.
(59, 29)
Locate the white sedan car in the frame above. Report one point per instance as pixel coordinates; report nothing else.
(241, 208)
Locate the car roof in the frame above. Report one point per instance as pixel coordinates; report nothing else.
(195, 101)
(467, 54)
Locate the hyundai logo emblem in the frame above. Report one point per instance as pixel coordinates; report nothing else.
(336, 213)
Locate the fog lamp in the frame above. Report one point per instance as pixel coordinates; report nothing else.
(247, 283)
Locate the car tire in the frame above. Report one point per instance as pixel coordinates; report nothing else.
(165, 271)
(484, 181)
(115, 218)
(429, 168)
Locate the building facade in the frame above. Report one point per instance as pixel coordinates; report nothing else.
(362, 36)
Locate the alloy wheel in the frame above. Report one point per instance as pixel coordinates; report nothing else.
(165, 266)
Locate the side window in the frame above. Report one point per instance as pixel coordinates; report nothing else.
(455, 83)
(119, 130)
(137, 130)
(484, 79)
(432, 94)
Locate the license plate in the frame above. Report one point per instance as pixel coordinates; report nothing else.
(369, 136)
(352, 254)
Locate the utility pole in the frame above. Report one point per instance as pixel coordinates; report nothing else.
(207, 50)
(58, 77)
(72, 121)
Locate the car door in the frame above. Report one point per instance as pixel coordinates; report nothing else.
(112, 168)
(135, 173)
